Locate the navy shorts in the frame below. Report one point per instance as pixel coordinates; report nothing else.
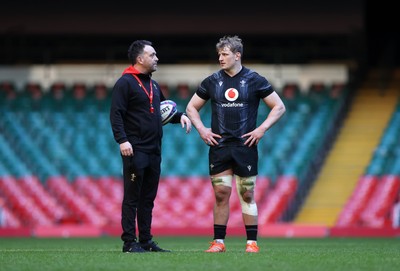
(242, 160)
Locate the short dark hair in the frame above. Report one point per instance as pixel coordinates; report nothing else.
(136, 48)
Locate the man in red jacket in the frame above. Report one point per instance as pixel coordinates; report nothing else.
(136, 124)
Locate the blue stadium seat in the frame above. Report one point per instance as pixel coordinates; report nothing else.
(57, 137)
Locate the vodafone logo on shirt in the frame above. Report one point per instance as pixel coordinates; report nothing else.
(231, 94)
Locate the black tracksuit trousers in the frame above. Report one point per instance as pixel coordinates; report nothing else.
(141, 174)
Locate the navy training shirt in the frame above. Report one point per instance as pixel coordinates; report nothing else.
(234, 103)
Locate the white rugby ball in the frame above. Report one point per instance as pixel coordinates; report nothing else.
(168, 110)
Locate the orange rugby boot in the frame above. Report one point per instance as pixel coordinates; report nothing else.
(216, 247)
(252, 247)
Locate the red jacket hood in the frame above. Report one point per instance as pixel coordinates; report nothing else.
(131, 70)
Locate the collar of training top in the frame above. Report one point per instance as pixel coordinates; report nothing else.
(131, 70)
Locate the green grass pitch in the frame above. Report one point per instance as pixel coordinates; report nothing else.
(188, 254)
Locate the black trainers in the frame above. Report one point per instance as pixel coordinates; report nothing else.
(152, 246)
(132, 247)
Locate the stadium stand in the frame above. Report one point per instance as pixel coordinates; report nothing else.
(369, 115)
(55, 136)
(378, 189)
(46, 138)
(333, 160)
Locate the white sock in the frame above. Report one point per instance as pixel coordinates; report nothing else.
(251, 242)
(220, 241)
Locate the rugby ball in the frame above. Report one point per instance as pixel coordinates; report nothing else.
(168, 110)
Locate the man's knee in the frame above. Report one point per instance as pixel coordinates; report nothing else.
(222, 187)
(245, 187)
(248, 196)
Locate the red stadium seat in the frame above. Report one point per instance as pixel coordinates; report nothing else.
(42, 198)
(89, 188)
(378, 210)
(81, 208)
(350, 214)
(58, 90)
(278, 200)
(22, 204)
(79, 91)
(111, 186)
(8, 218)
